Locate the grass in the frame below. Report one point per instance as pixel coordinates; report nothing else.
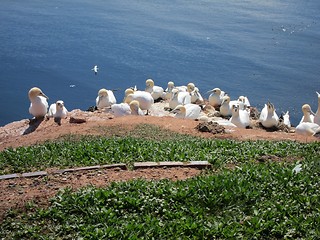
(255, 200)
(147, 143)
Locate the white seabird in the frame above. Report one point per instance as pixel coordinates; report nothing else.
(226, 106)
(105, 98)
(120, 109)
(155, 91)
(127, 92)
(286, 119)
(196, 96)
(135, 109)
(307, 117)
(95, 69)
(39, 105)
(188, 111)
(243, 100)
(179, 98)
(167, 94)
(317, 115)
(58, 110)
(190, 87)
(268, 116)
(215, 98)
(144, 98)
(240, 118)
(308, 129)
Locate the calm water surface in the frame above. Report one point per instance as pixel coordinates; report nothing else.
(267, 50)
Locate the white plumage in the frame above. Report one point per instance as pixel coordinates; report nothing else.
(144, 98)
(268, 116)
(286, 119)
(215, 98)
(226, 106)
(191, 87)
(244, 101)
(317, 115)
(39, 105)
(155, 91)
(167, 94)
(240, 118)
(135, 109)
(179, 98)
(95, 69)
(307, 117)
(105, 98)
(58, 110)
(188, 111)
(196, 96)
(308, 129)
(121, 109)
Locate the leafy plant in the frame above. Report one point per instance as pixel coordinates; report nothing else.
(91, 150)
(259, 201)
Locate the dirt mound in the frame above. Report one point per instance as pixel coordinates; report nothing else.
(211, 127)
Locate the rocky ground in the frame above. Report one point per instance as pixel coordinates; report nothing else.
(15, 193)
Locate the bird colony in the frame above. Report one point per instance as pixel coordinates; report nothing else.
(183, 102)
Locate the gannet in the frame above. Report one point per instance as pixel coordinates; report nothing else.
(244, 101)
(120, 109)
(156, 91)
(135, 109)
(144, 98)
(95, 69)
(226, 106)
(167, 94)
(58, 110)
(268, 117)
(105, 98)
(215, 98)
(190, 87)
(196, 96)
(179, 98)
(188, 111)
(308, 129)
(240, 118)
(127, 92)
(307, 117)
(317, 116)
(39, 105)
(286, 119)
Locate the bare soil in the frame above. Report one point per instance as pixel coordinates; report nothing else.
(15, 193)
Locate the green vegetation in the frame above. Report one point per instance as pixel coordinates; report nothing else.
(147, 143)
(255, 200)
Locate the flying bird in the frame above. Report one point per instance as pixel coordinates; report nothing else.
(95, 69)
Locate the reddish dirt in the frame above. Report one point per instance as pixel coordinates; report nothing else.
(12, 135)
(15, 193)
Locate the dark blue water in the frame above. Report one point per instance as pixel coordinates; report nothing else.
(267, 50)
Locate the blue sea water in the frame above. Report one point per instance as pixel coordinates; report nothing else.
(266, 50)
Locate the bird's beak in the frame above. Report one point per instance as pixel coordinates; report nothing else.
(210, 91)
(43, 95)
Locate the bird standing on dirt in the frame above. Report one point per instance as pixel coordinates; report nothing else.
(39, 105)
